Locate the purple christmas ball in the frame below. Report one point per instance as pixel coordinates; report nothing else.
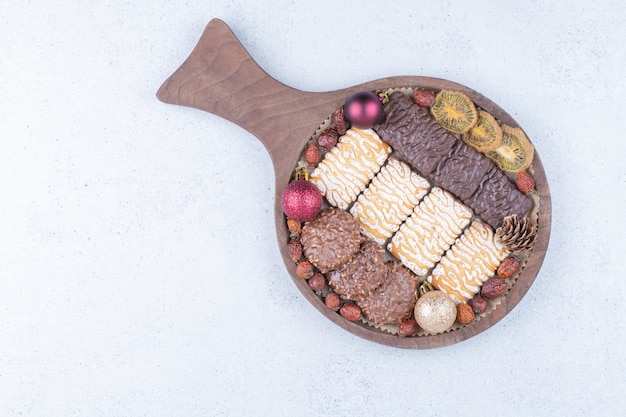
(363, 109)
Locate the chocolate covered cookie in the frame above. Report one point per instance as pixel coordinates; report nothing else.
(394, 300)
(331, 239)
(497, 197)
(358, 278)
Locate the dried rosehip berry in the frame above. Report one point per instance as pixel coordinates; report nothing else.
(479, 304)
(312, 155)
(328, 138)
(339, 120)
(332, 301)
(408, 327)
(294, 226)
(294, 248)
(525, 182)
(508, 267)
(304, 269)
(350, 311)
(464, 313)
(424, 98)
(493, 287)
(317, 282)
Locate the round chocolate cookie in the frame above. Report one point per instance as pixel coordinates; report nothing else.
(362, 275)
(331, 239)
(394, 300)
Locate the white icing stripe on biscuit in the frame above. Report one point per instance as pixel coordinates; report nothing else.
(349, 166)
(389, 200)
(430, 230)
(470, 262)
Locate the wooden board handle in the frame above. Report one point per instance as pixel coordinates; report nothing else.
(222, 78)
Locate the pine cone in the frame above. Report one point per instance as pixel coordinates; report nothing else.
(517, 235)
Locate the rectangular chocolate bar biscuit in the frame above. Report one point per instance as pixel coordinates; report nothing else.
(414, 133)
(462, 170)
(497, 197)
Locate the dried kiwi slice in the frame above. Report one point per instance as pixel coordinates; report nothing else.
(515, 153)
(486, 135)
(454, 111)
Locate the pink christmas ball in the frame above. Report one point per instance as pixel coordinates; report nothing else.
(301, 200)
(363, 109)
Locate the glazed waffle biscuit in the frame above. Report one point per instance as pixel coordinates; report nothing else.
(470, 262)
(429, 231)
(348, 167)
(389, 200)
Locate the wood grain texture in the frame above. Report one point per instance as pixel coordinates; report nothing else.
(220, 77)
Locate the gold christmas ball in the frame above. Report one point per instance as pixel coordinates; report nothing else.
(435, 312)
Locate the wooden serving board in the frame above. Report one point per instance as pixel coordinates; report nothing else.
(220, 77)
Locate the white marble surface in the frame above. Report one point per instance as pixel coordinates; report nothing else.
(139, 273)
